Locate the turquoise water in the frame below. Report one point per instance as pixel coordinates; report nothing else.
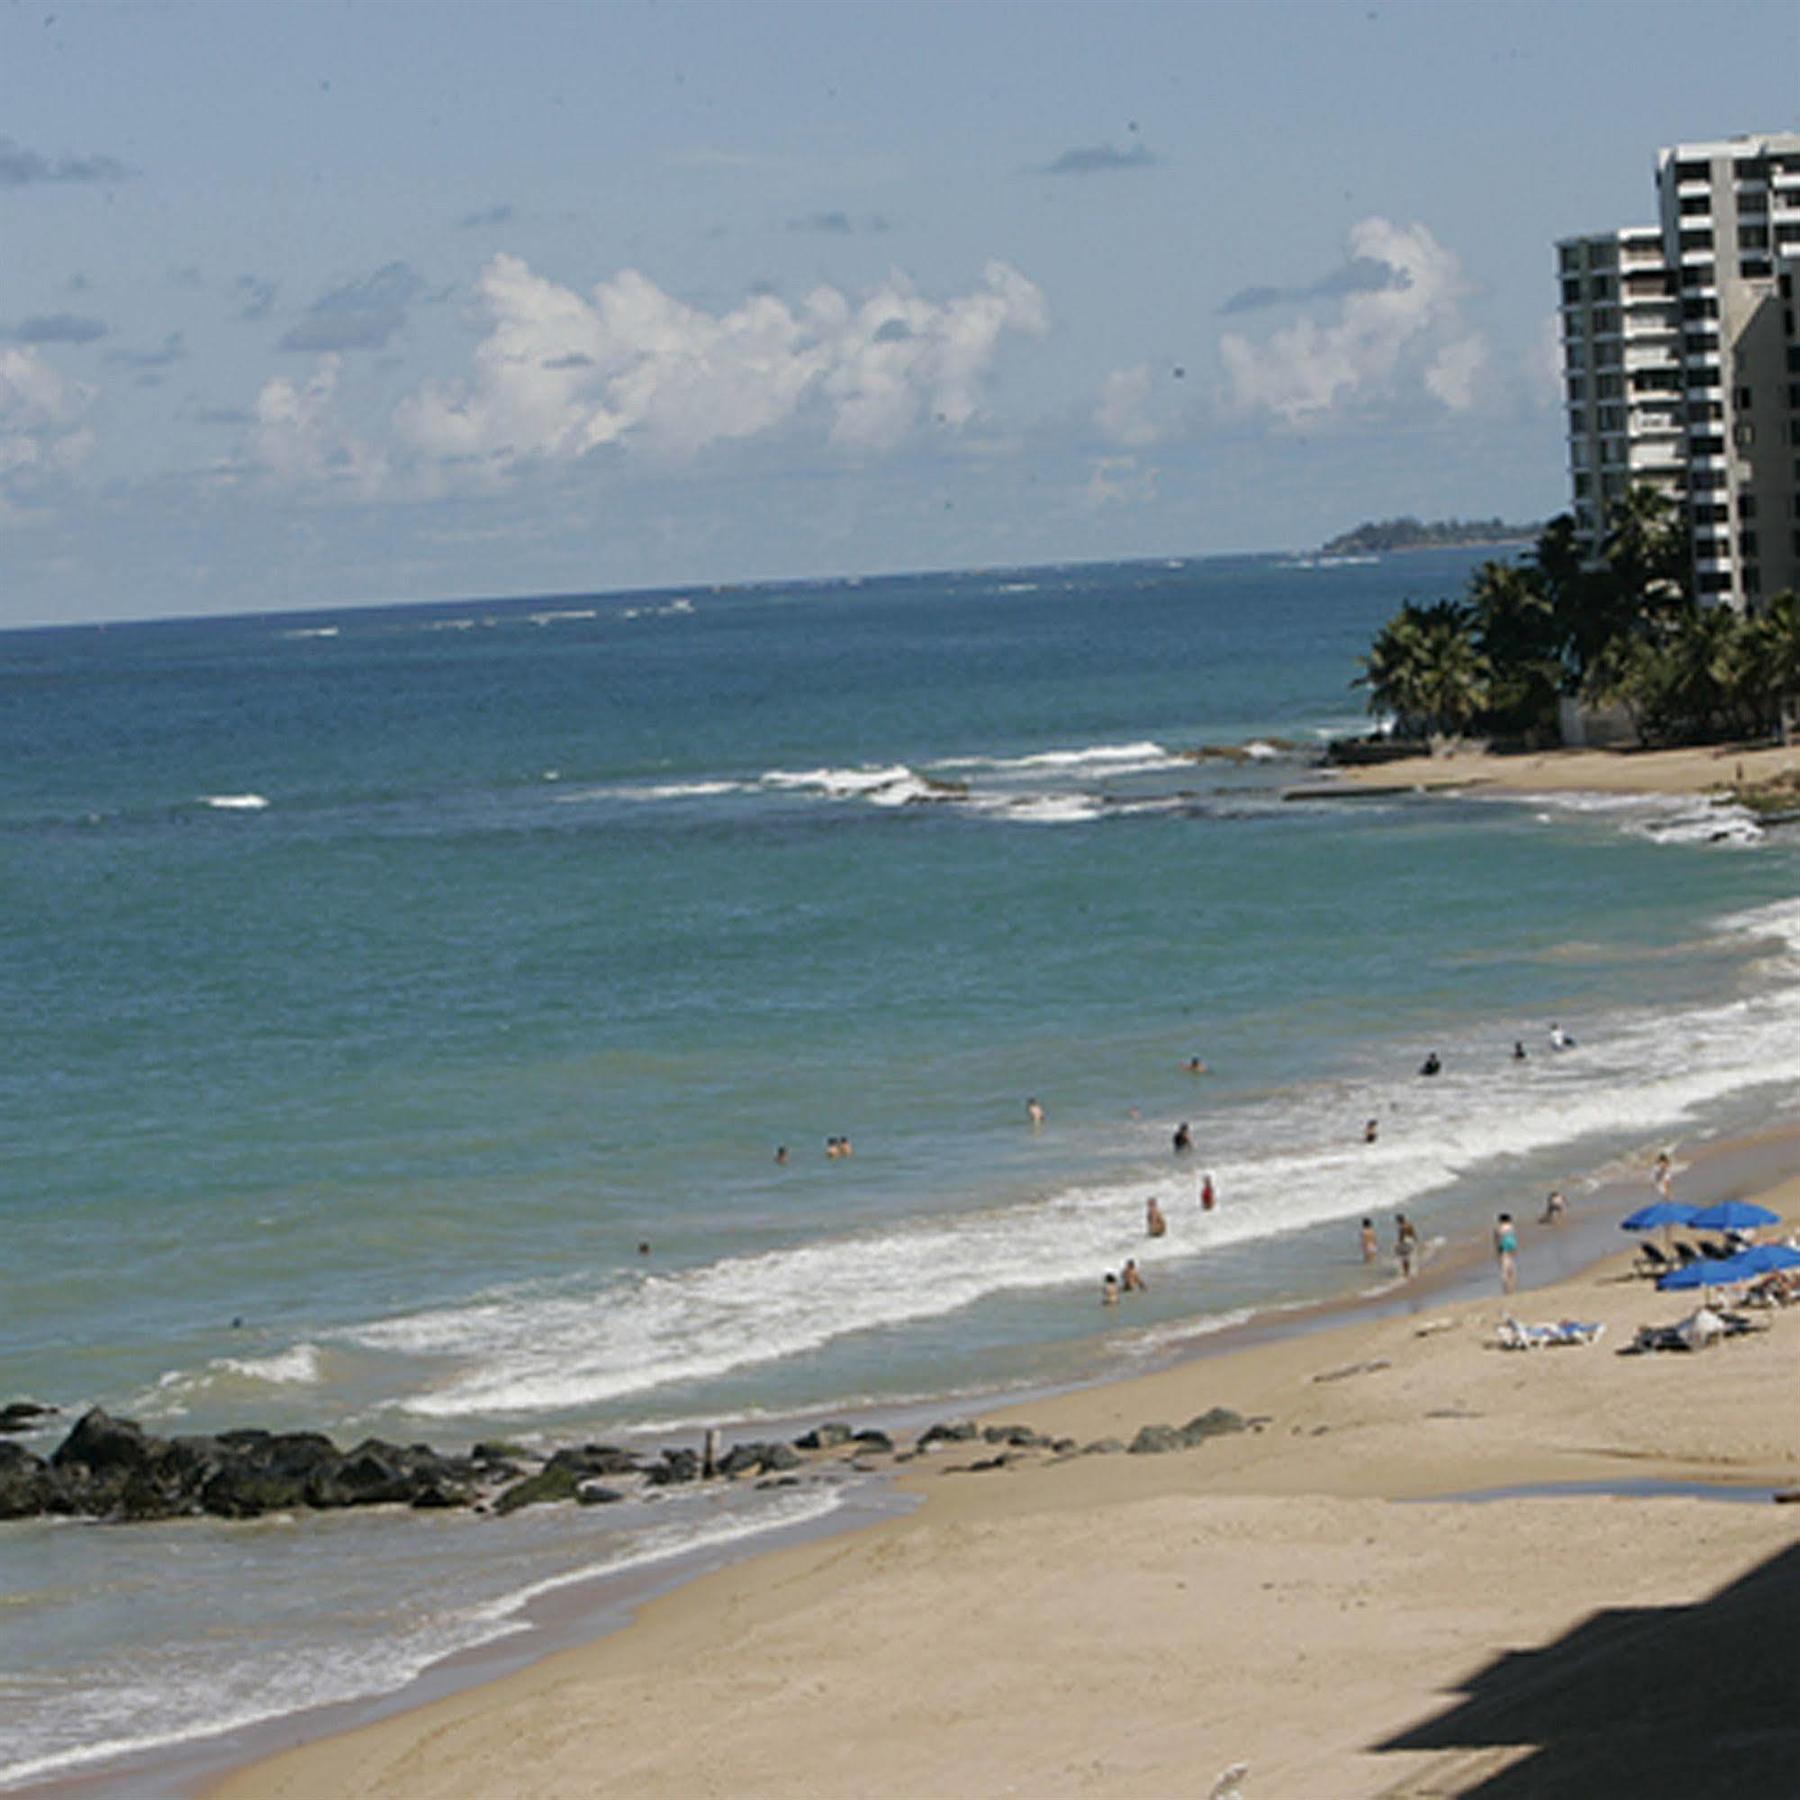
(377, 982)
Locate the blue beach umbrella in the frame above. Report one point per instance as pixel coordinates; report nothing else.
(1734, 1215)
(1708, 1271)
(1759, 1259)
(1724, 1271)
(1659, 1212)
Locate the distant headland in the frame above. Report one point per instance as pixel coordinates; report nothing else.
(1377, 535)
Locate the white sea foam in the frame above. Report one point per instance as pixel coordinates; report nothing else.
(312, 631)
(1104, 758)
(681, 790)
(234, 802)
(893, 784)
(1286, 1161)
(555, 618)
(1662, 818)
(299, 1363)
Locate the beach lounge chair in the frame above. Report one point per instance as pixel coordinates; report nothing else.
(1652, 1261)
(1686, 1252)
(1511, 1334)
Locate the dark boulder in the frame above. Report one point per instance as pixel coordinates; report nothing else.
(778, 1457)
(596, 1459)
(103, 1446)
(373, 1474)
(1216, 1421)
(241, 1490)
(873, 1440)
(1157, 1440)
(24, 1415)
(1021, 1436)
(1104, 1447)
(546, 1486)
(594, 1493)
(959, 1432)
(740, 1459)
(823, 1437)
(27, 1483)
(494, 1451)
(676, 1468)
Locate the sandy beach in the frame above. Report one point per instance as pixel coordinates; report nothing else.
(1693, 770)
(1308, 1597)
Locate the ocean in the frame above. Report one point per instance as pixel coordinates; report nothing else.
(379, 981)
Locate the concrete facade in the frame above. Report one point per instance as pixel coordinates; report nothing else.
(1681, 362)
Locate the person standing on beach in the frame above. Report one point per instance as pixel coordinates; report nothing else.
(1662, 1173)
(1406, 1244)
(1506, 1252)
(1367, 1238)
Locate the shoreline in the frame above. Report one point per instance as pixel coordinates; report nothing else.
(1721, 769)
(1255, 1358)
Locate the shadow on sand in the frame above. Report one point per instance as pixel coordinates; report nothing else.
(1647, 1701)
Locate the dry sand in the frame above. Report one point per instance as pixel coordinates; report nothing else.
(1288, 1598)
(1688, 771)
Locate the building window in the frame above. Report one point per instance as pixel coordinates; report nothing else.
(1706, 446)
(1700, 306)
(1600, 287)
(1706, 480)
(1746, 507)
(1756, 268)
(1692, 204)
(1743, 434)
(1569, 257)
(1740, 398)
(1695, 169)
(1577, 389)
(1584, 485)
(1708, 512)
(1752, 580)
(1571, 293)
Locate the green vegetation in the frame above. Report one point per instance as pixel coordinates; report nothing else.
(1376, 535)
(1626, 630)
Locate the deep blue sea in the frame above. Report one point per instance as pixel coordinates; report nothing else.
(376, 982)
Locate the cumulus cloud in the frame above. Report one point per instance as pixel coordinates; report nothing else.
(1406, 335)
(23, 167)
(560, 374)
(1099, 159)
(360, 315)
(298, 439)
(53, 328)
(42, 432)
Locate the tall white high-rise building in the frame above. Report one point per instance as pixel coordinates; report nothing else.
(1681, 362)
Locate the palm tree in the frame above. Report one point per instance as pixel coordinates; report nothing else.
(1425, 670)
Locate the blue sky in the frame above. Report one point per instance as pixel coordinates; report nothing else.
(313, 304)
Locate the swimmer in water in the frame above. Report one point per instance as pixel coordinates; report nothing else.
(1130, 1280)
(1208, 1196)
(1154, 1222)
(1184, 1139)
(781, 1155)
(1035, 1113)
(1431, 1065)
(1109, 1290)
(1371, 1131)
(1366, 1237)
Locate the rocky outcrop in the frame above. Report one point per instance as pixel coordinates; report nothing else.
(24, 1415)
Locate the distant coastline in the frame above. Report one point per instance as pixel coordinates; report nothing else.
(1378, 536)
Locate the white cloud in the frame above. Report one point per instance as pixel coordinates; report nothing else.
(559, 374)
(1377, 344)
(41, 420)
(296, 436)
(1122, 415)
